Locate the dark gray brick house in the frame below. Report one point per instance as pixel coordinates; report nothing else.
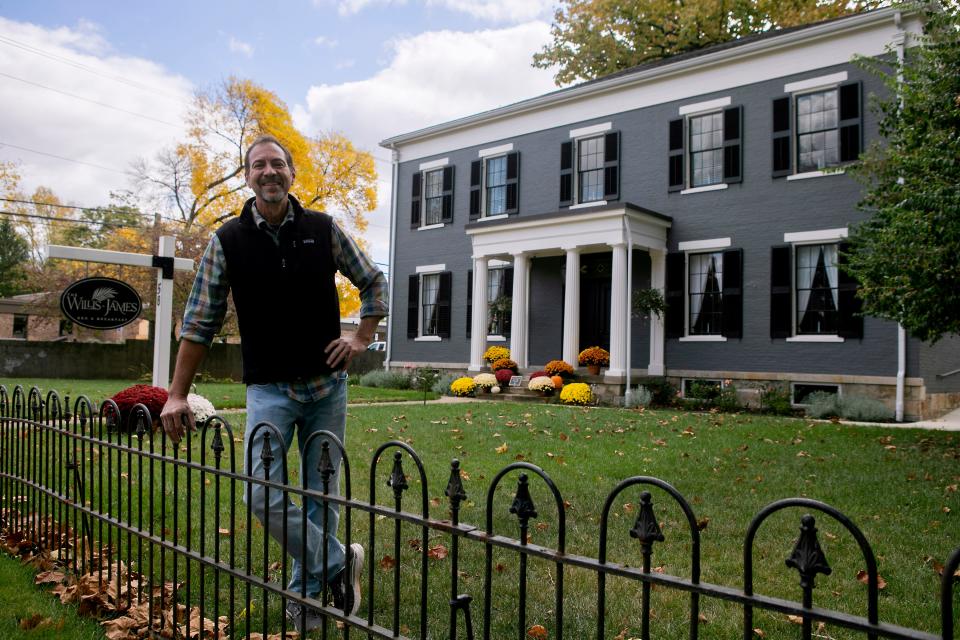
(716, 177)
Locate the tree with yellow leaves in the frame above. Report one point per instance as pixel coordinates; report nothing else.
(202, 177)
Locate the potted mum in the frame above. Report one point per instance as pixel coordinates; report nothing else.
(594, 358)
(485, 381)
(494, 353)
(542, 384)
(559, 368)
(576, 393)
(463, 387)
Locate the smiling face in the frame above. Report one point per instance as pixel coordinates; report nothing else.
(268, 173)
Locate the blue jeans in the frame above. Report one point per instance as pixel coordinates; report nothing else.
(266, 403)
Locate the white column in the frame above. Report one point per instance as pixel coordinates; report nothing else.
(618, 311)
(163, 318)
(658, 279)
(571, 308)
(478, 323)
(519, 309)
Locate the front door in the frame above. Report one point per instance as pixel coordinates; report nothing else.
(595, 269)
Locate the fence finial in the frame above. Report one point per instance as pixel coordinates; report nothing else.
(523, 505)
(646, 529)
(807, 557)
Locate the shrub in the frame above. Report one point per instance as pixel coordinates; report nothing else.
(201, 407)
(864, 409)
(822, 405)
(642, 397)
(152, 397)
(775, 400)
(558, 368)
(504, 363)
(496, 352)
(704, 390)
(423, 378)
(503, 376)
(443, 382)
(596, 356)
(383, 379)
(663, 392)
(538, 374)
(576, 393)
(543, 383)
(463, 387)
(485, 380)
(727, 399)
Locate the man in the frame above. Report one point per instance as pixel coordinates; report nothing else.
(279, 260)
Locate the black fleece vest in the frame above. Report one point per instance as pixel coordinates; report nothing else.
(286, 296)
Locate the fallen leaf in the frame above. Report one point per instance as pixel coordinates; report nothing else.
(795, 619)
(387, 563)
(438, 552)
(702, 523)
(224, 531)
(502, 448)
(760, 633)
(865, 579)
(537, 632)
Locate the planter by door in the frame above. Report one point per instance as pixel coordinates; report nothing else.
(594, 369)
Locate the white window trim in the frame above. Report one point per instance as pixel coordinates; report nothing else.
(820, 82)
(426, 270)
(701, 245)
(589, 132)
(819, 236)
(496, 338)
(821, 173)
(434, 164)
(428, 338)
(431, 268)
(704, 338)
(483, 179)
(439, 225)
(495, 151)
(810, 337)
(494, 263)
(499, 216)
(717, 186)
(586, 205)
(698, 108)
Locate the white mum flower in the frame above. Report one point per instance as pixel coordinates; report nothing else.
(201, 407)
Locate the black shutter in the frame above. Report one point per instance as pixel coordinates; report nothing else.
(849, 320)
(476, 169)
(566, 174)
(415, 200)
(469, 302)
(732, 137)
(513, 182)
(733, 293)
(781, 292)
(413, 307)
(446, 214)
(611, 166)
(675, 158)
(850, 122)
(676, 276)
(443, 304)
(782, 137)
(508, 292)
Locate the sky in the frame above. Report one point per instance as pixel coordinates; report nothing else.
(89, 88)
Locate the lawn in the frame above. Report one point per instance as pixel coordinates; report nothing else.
(224, 395)
(898, 485)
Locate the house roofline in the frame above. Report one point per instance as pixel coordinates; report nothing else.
(718, 54)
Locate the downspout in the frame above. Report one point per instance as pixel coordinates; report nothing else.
(394, 173)
(628, 391)
(900, 40)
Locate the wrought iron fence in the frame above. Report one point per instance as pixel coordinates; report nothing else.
(152, 530)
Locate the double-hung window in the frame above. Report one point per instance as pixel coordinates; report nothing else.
(704, 293)
(812, 298)
(495, 182)
(428, 306)
(705, 147)
(590, 166)
(431, 198)
(499, 300)
(817, 126)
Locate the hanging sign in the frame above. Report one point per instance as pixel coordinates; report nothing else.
(100, 303)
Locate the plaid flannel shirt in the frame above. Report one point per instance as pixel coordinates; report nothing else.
(207, 303)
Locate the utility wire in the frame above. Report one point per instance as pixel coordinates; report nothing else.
(69, 206)
(101, 104)
(70, 220)
(78, 65)
(53, 155)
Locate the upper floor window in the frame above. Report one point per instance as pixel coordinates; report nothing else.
(494, 184)
(590, 168)
(704, 148)
(816, 127)
(431, 201)
(704, 291)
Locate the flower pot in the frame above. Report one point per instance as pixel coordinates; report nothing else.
(594, 369)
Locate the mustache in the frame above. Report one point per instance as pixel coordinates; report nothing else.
(271, 181)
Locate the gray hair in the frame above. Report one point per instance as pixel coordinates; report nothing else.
(264, 139)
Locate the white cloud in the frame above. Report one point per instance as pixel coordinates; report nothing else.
(480, 70)
(78, 61)
(498, 10)
(324, 41)
(351, 7)
(241, 47)
(345, 64)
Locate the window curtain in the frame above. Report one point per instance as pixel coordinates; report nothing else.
(705, 279)
(806, 266)
(830, 262)
(430, 290)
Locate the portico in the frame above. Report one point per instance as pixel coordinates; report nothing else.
(616, 229)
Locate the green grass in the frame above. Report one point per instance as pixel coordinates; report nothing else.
(223, 395)
(898, 485)
(25, 604)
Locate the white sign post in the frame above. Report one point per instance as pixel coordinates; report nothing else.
(165, 263)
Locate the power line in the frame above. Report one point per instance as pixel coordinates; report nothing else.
(78, 65)
(70, 206)
(69, 220)
(53, 155)
(101, 104)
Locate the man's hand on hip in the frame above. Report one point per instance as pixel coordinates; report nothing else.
(344, 349)
(176, 416)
